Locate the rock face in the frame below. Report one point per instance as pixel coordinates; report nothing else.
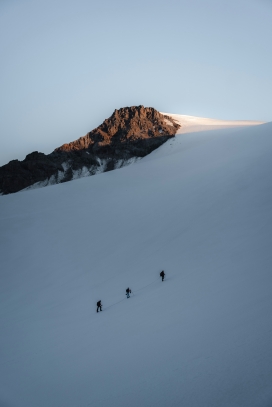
(130, 133)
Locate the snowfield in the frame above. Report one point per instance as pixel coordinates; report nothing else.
(199, 207)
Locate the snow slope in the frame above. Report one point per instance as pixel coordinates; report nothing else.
(199, 208)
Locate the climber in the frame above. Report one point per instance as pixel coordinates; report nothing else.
(162, 274)
(99, 306)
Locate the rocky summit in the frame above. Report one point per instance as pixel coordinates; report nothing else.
(129, 134)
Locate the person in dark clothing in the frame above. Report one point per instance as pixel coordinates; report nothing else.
(162, 274)
(99, 306)
(128, 291)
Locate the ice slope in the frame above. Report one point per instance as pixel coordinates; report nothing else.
(199, 208)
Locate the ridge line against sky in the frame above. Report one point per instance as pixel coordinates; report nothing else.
(66, 66)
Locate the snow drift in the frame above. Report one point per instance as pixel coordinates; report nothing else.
(198, 207)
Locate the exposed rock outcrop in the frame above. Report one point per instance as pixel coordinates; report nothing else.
(130, 133)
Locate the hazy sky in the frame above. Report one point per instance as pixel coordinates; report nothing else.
(66, 65)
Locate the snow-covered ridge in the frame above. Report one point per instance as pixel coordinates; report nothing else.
(191, 124)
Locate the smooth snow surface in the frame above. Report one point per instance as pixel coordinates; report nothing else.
(192, 124)
(199, 207)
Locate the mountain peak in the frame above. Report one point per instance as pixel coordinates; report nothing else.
(127, 124)
(128, 134)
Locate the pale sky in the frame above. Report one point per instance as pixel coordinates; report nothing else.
(66, 65)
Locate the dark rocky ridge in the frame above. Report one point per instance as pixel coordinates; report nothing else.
(130, 132)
